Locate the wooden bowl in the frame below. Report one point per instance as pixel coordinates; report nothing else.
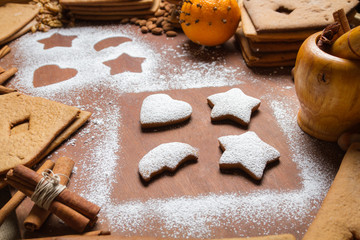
(328, 89)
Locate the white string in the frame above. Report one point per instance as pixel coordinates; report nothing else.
(47, 189)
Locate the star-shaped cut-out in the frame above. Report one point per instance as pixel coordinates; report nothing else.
(57, 40)
(247, 152)
(125, 63)
(234, 105)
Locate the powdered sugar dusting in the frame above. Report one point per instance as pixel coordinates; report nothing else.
(196, 216)
(165, 156)
(161, 109)
(247, 151)
(93, 73)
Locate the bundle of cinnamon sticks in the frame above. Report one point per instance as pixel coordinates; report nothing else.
(339, 39)
(75, 211)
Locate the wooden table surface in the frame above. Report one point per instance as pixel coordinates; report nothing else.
(195, 180)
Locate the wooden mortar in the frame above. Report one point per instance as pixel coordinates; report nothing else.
(328, 89)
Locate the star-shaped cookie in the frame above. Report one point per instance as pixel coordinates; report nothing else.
(125, 63)
(247, 152)
(234, 105)
(57, 40)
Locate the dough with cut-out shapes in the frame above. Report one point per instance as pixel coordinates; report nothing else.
(28, 125)
(339, 215)
(234, 105)
(160, 110)
(167, 156)
(271, 237)
(247, 152)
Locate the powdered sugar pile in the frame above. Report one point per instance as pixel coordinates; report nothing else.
(247, 151)
(161, 109)
(197, 216)
(166, 155)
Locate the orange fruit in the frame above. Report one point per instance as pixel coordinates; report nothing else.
(209, 22)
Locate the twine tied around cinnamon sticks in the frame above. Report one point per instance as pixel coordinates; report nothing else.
(47, 189)
(77, 212)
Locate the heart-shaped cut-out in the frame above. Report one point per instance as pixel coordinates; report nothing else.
(161, 110)
(50, 74)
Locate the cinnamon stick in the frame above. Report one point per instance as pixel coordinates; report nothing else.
(328, 35)
(2, 70)
(340, 17)
(2, 181)
(7, 74)
(4, 90)
(4, 50)
(97, 233)
(38, 215)
(72, 218)
(84, 235)
(66, 197)
(18, 197)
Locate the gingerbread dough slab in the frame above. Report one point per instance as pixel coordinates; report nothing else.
(28, 125)
(270, 237)
(19, 33)
(14, 17)
(284, 15)
(339, 215)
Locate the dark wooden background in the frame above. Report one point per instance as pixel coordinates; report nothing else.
(203, 177)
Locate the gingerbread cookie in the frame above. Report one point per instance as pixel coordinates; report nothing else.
(167, 156)
(338, 217)
(279, 15)
(263, 59)
(285, 36)
(161, 110)
(247, 152)
(234, 105)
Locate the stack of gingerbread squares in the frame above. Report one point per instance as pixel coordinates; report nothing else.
(272, 31)
(110, 9)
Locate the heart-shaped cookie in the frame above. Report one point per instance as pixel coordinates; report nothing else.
(51, 74)
(161, 110)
